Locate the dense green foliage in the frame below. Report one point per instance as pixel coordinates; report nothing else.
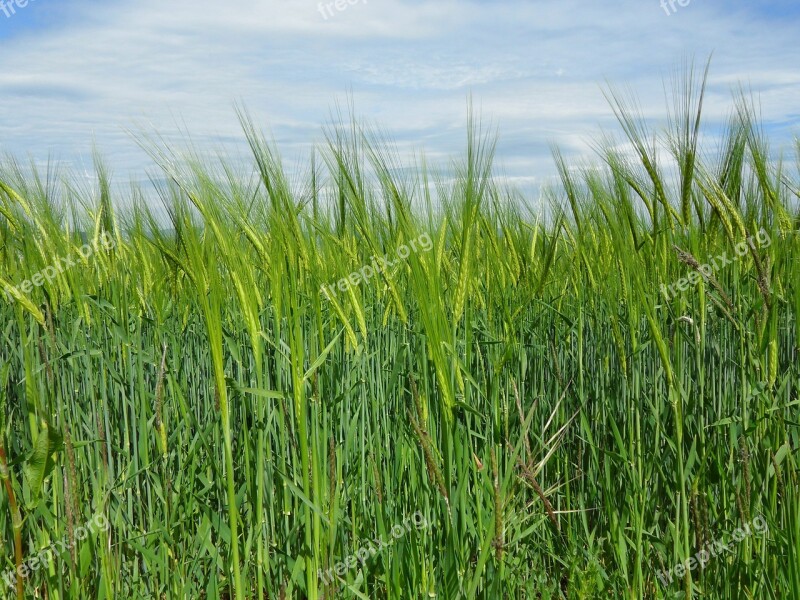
(565, 429)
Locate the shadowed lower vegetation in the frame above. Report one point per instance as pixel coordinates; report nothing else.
(566, 429)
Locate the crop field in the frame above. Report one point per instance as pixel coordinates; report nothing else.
(379, 380)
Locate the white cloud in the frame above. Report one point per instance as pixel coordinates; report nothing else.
(534, 70)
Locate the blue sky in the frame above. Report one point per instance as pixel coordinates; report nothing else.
(77, 72)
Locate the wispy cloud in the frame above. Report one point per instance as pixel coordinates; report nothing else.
(81, 71)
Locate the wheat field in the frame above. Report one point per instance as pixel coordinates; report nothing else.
(259, 386)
